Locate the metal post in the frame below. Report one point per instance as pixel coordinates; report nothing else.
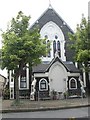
(38, 100)
(38, 95)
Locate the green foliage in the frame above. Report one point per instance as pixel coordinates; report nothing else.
(20, 44)
(83, 55)
(81, 41)
(6, 93)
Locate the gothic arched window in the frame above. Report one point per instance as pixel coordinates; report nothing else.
(45, 44)
(54, 47)
(43, 84)
(58, 48)
(72, 83)
(48, 47)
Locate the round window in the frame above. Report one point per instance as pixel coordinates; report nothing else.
(46, 36)
(56, 37)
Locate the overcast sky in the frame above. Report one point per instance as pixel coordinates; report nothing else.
(70, 10)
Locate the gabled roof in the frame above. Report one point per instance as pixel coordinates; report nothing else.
(71, 67)
(42, 68)
(55, 60)
(51, 15)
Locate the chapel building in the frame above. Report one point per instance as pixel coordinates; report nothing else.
(58, 72)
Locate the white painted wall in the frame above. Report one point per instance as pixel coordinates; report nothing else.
(2, 81)
(58, 77)
(51, 29)
(11, 84)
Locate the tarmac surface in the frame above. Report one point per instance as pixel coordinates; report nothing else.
(30, 106)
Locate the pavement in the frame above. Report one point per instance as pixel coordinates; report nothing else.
(30, 106)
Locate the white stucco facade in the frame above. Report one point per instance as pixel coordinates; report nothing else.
(51, 30)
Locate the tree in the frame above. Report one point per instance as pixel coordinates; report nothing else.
(81, 44)
(21, 46)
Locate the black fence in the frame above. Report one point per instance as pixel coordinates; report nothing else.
(42, 95)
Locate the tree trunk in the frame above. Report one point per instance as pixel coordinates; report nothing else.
(30, 78)
(17, 74)
(17, 87)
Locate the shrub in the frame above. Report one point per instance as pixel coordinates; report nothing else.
(6, 93)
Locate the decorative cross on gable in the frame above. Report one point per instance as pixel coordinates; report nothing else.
(50, 6)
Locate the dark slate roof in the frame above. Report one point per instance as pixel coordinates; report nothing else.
(42, 68)
(71, 67)
(51, 15)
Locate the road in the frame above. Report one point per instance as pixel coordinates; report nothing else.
(64, 113)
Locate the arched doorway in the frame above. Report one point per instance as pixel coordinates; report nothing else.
(57, 78)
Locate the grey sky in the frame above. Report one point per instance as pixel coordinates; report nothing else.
(70, 10)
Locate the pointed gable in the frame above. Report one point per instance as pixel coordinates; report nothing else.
(69, 66)
(42, 68)
(51, 15)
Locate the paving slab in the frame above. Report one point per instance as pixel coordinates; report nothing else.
(27, 105)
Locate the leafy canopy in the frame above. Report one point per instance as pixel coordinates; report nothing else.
(81, 41)
(21, 45)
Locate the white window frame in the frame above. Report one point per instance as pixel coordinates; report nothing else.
(70, 83)
(27, 80)
(40, 85)
(23, 81)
